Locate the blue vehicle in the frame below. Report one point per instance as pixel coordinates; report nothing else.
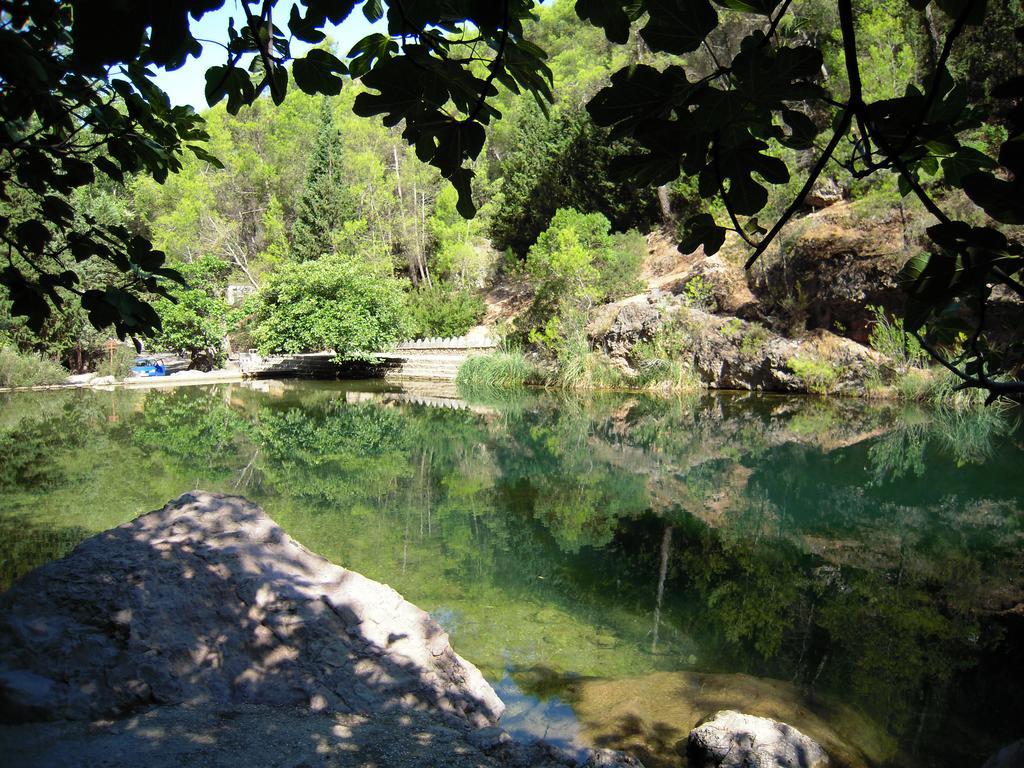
(146, 367)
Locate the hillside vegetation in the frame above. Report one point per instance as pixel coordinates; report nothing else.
(344, 240)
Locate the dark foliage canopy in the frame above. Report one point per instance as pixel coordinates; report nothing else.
(77, 97)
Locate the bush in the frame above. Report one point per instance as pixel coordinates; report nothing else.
(120, 367)
(818, 376)
(194, 325)
(753, 340)
(444, 310)
(25, 369)
(668, 376)
(578, 258)
(329, 303)
(664, 363)
(500, 370)
(698, 294)
(890, 338)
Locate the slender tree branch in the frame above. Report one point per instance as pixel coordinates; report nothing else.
(725, 202)
(263, 48)
(775, 22)
(499, 62)
(812, 177)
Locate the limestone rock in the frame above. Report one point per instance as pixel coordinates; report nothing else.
(825, 192)
(729, 739)
(208, 601)
(836, 264)
(618, 327)
(727, 283)
(729, 353)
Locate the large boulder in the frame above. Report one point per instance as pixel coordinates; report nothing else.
(617, 327)
(730, 353)
(730, 739)
(208, 601)
(203, 635)
(834, 265)
(723, 282)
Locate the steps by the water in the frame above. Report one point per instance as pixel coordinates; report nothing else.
(439, 366)
(419, 360)
(435, 359)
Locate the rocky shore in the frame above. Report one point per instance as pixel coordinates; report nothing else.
(202, 634)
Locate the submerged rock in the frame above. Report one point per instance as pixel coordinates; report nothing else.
(651, 716)
(731, 739)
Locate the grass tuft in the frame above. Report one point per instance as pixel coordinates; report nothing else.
(500, 370)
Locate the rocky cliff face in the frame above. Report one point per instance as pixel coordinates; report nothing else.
(730, 353)
(831, 266)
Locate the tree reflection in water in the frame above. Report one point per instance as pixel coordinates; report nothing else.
(861, 551)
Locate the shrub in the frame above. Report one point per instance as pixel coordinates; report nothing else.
(937, 387)
(668, 376)
(890, 338)
(444, 310)
(119, 365)
(577, 263)
(817, 376)
(698, 294)
(753, 340)
(194, 325)
(664, 363)
(573, 354)
(499, 370)
(26, 369)
(732, 328)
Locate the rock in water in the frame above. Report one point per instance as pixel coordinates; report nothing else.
(730, 739)
(1010, 756)
(208, 601)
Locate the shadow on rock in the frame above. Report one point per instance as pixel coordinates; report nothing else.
(202, 632)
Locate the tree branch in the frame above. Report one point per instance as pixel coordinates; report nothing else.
(498, 62)
(798, 201)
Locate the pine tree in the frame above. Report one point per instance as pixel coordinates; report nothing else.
(325, 204)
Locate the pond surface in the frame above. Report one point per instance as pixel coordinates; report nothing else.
(618, 566)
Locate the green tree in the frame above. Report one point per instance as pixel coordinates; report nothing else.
(443, 310)
(578, 259)
(325, 203)
(331, 303)
(565, 162)
(194, 320)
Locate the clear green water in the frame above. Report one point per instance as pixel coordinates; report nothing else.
(863, 554)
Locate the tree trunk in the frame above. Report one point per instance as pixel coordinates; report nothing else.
(665, 202)
(666, 549)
